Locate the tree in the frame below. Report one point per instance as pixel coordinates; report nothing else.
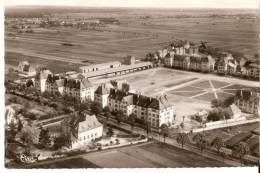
(217, 103)
(29, 83)
(119, 116)
(174, 117)
(106, 109)
(110, 132)
(182, 139)
(60, 142)
(148, 128)
(217, 143)
(229, 101)
(164, 130)
(29, 135)
(132, 119)
(240, 150)
(107, 112)
(125, 87)
(95, 108)
(11, 132)
(20, 125)
(200, 141)
(83, 107)
(44, 137)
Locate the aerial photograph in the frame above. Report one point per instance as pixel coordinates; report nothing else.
(131, 84)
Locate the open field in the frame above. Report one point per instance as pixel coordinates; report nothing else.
(189, 92)
(134, 36)
(152, 155)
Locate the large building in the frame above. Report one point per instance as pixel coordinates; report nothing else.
(40, 79)
(200, 63)
(120, 70)
(254, 70)
(248, 100)
(101, 95)
(156, 111)
(80, 89)
(98, 67)
(26, 68)
(55, 84)
(81, 130)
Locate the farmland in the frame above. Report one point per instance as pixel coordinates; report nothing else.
(134, 36)
(151, 155)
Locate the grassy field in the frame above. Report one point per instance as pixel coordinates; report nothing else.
(152, 155)
(71, 163)
(135, 35)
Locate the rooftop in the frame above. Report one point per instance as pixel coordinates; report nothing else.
(100, 65)
(118, 69)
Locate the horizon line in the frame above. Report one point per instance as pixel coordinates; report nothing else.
(128, 7)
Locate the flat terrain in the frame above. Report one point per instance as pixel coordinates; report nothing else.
(151, 155)
(134, 36)
(189, 92)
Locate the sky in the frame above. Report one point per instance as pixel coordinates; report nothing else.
(142, 3)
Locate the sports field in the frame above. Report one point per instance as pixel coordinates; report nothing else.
(153, 155)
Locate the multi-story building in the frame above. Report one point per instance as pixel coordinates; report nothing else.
(232, 67)
(26, 68)
(156, 111)
(254, 70)
(55, 84)
(101, 95)
(81, 130)
(207, 64)
(80, 89)
(248, 100)
(40, 79)
(223, 64)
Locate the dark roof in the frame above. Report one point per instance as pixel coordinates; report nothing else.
(117, 94)
(102, 90)
(140, 100)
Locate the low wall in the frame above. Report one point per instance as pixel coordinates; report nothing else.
(125, 144)
(223, 124)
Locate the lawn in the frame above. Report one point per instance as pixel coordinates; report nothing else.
(218, 84)
(202, 84)
(186, 93)
(152, 155)
(206, 97)
(189, 88)
(222, 95)
(70, 163)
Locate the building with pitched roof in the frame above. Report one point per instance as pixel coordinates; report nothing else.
(80, 88)
(248, 100)
(101, 95)
(254, 70)
(81, 129)
(156, 111)
(55, 84)
(26, 68)
(40, 79)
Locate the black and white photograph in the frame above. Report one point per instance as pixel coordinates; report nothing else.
(130, 84)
